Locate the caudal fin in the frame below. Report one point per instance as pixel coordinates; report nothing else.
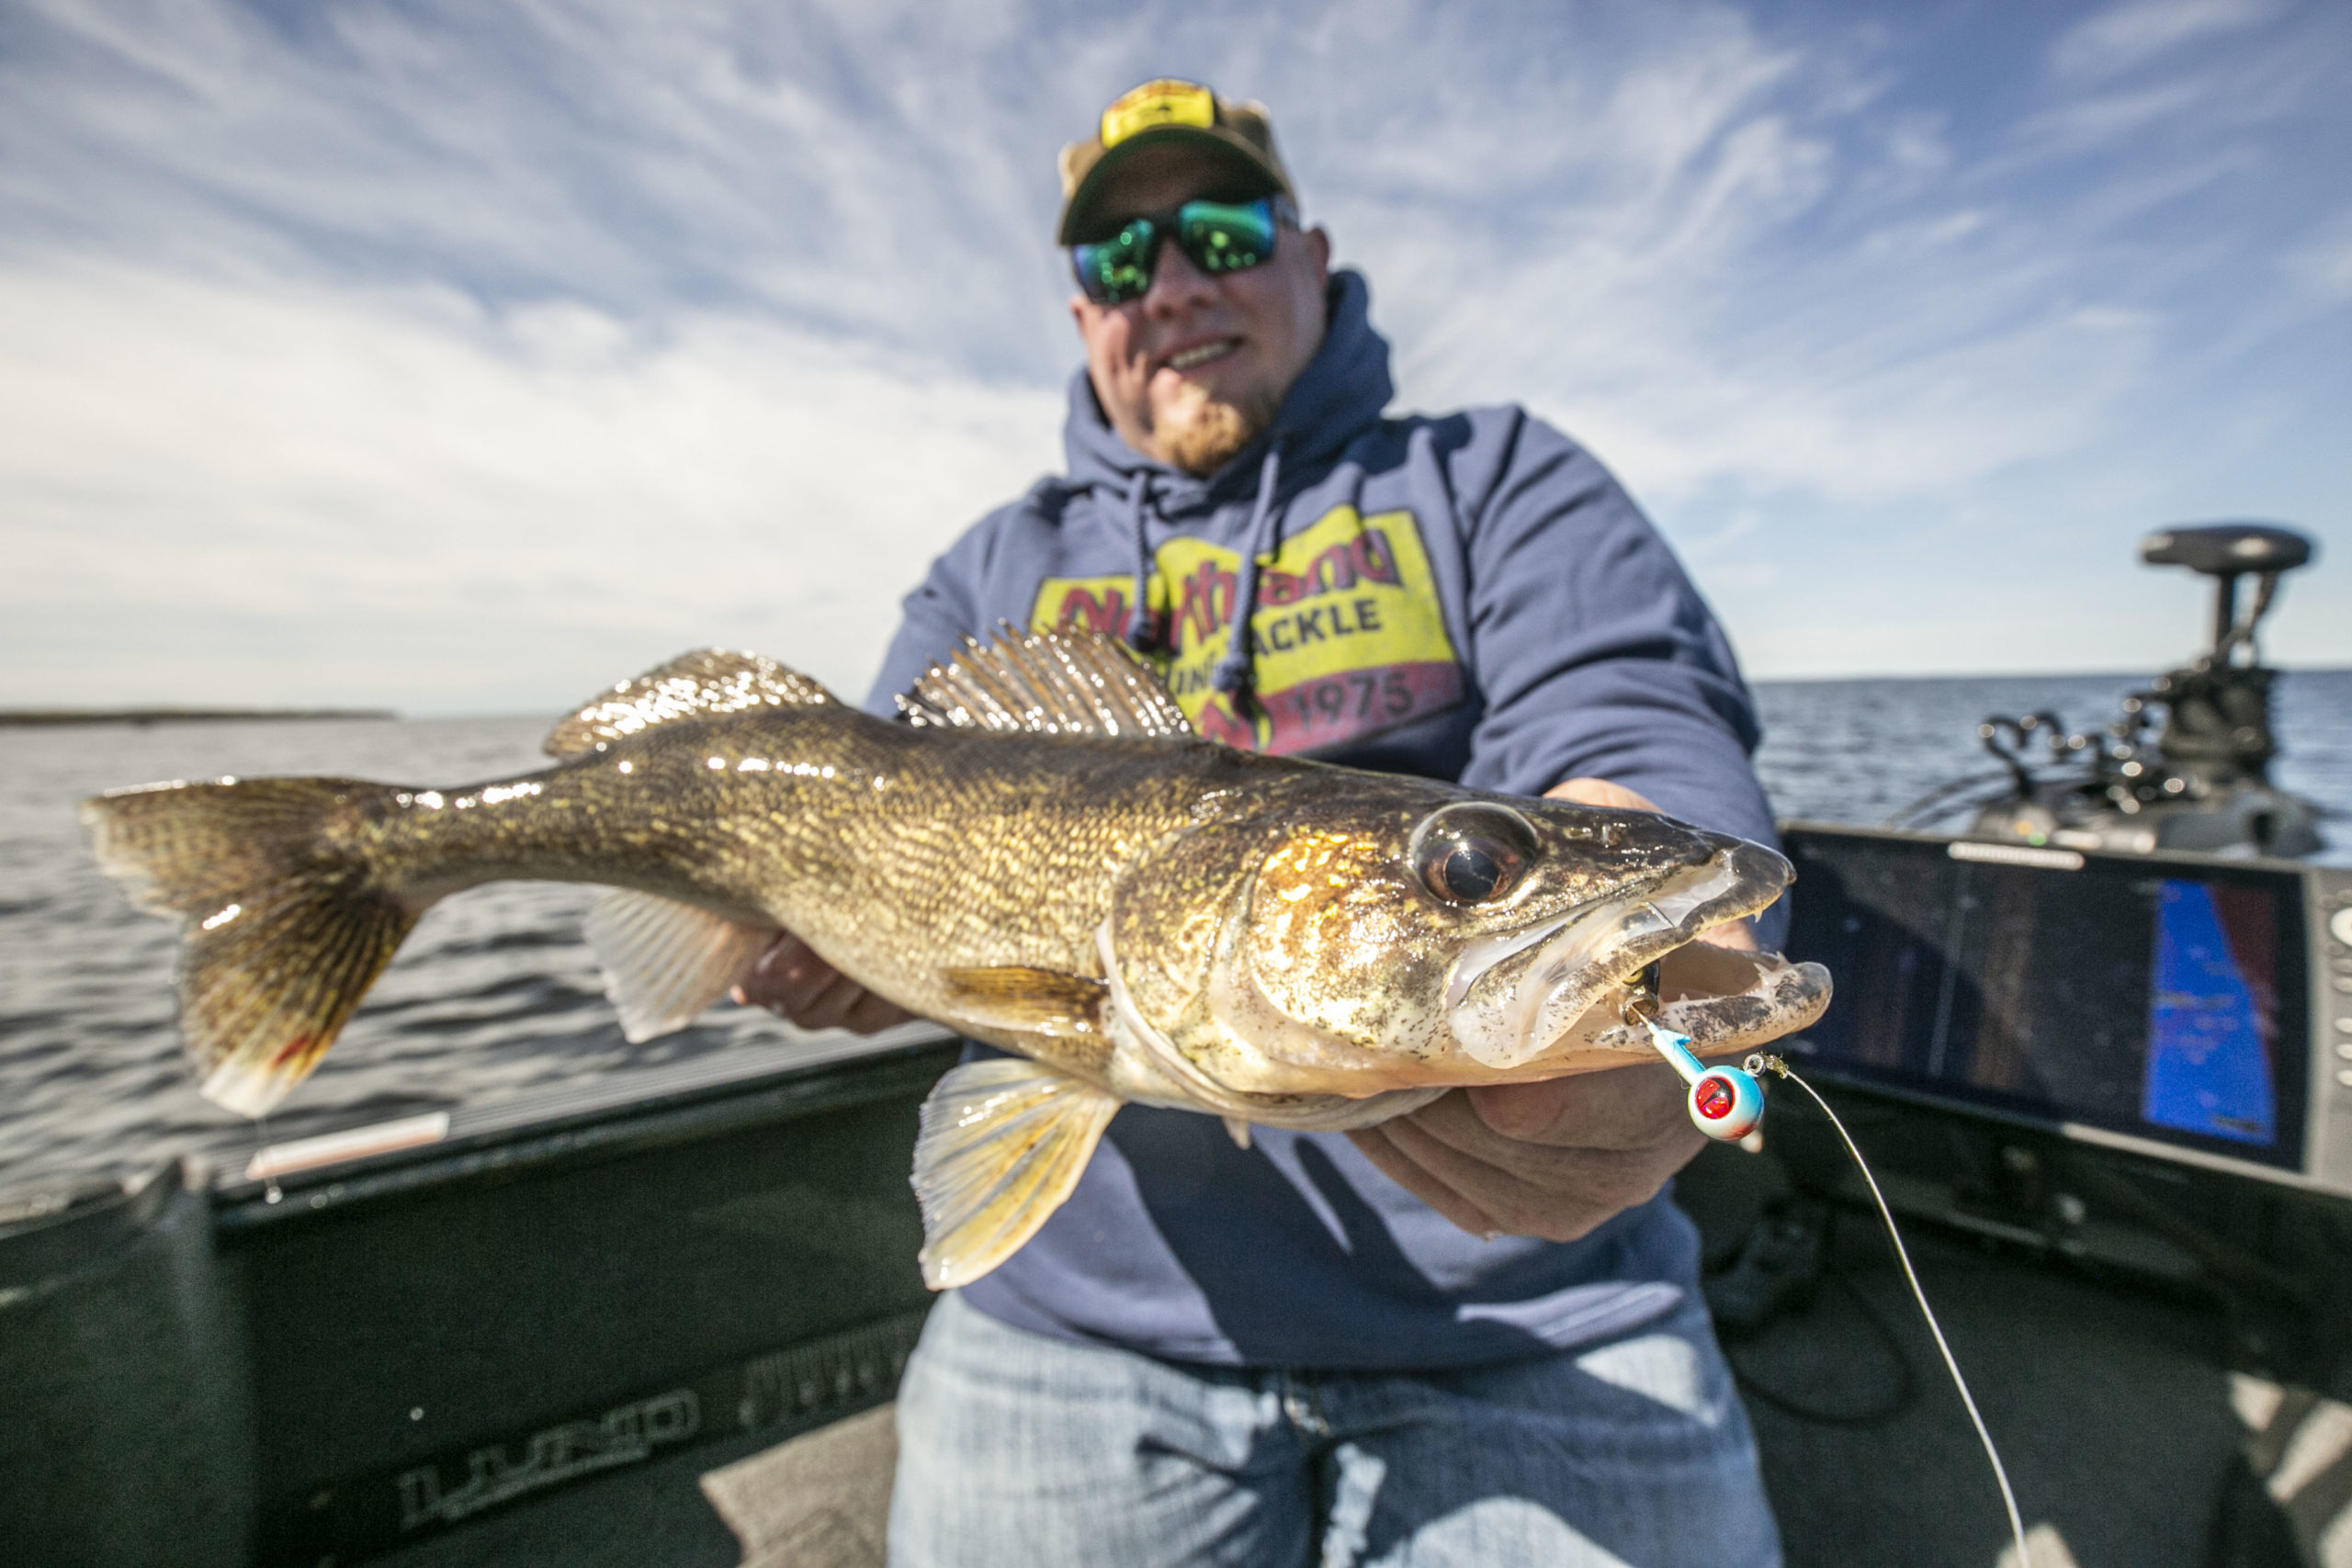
(284, 927)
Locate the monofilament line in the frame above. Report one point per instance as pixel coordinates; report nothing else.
(2009, 1499)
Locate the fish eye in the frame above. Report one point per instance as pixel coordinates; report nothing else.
(1473, 853)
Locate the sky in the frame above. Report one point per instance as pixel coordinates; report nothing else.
(466, 356)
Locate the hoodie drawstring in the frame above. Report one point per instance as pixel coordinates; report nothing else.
(1139, 610)
(1232, 673)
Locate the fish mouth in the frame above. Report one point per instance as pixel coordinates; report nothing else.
(1513, 1000)
(1722, 998)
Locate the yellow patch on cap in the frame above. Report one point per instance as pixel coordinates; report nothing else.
(1164, 102)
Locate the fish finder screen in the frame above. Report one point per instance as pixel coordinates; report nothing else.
(2147, 999)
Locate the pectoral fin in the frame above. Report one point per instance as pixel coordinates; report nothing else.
(1002, 1144)
(1045, 1002)
(665, 962)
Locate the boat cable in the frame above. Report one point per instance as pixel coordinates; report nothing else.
(1776, 1065)
(1905, 1392)
(1951, 795)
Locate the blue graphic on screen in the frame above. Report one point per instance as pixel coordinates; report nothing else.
(2209, 1070)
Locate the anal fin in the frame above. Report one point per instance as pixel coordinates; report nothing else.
(665, 962)
(1003, 1142)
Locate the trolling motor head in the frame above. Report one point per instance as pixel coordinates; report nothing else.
(2202, 783)
(2225, 552)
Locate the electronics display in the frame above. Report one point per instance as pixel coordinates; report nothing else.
(2188, 1006)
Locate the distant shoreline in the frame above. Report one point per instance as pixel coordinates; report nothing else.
(54, 717)
(2140, 675)
(23, 717)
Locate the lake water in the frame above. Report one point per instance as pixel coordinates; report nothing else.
(495, 998)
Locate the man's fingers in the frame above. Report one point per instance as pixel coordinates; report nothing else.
(1398, 1166)
(790, 961)
(774, 977)
(831, 1005)
(1497, 1198)
(839, 1002)
(1552, 1159)
(872, 1015)
(804, 1005)
(1453, 1121)
(1600, 791)
(1622, 1108)
(789, 977)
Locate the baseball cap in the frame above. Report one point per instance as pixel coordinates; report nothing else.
(1162, 111)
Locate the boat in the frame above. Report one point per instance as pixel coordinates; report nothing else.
(660, 1321)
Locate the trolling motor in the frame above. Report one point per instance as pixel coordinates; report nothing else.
(2203, 781)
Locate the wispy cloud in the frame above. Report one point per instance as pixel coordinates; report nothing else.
(467, 355)
(419, 494)
(2123, 38)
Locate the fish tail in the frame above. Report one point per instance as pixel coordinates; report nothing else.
(285, 924)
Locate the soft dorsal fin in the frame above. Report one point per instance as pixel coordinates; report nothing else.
(1047, 683)
(700, 685)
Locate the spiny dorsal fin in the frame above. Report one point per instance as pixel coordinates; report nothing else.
(1047, 683)
(700, 685)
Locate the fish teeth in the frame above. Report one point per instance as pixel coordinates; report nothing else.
(1535, 1007)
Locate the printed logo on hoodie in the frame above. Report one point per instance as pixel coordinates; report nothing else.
(1347, 639)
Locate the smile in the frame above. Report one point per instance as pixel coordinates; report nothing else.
(1202, 353)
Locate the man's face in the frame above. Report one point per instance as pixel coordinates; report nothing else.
(1193, 371)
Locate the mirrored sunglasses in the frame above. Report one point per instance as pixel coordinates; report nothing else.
(1217, 237)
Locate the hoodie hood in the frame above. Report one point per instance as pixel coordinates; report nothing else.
(1343, 388)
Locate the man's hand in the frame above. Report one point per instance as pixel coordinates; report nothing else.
(1552, 1159)
(789, 979)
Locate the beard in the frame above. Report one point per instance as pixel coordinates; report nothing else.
(1200, 435)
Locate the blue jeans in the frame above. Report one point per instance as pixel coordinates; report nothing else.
(1016, 1449)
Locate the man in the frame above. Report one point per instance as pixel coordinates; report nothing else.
(1469, 1336)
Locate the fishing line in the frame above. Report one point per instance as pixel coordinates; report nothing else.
(1726, 1103)
(271, 1192)
(1761, 1063)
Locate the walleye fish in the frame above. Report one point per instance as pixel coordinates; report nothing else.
(1045, 858)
